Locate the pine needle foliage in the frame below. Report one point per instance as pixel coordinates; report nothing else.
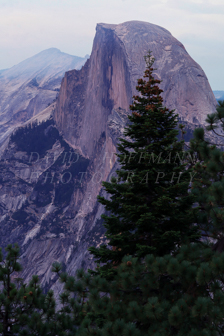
(180, 294)
(208, 181)
(24, 309)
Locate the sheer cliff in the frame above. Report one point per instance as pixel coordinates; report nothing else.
(93, 103)
(111, 74)
(57, 219)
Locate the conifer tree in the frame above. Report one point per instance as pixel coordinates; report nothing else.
(24, 309)
(150, 208)
(208, 182)
(170, 295)
(177, 290)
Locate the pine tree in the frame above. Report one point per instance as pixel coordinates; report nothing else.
(208, 182)
(175, 290)
(170, 295)
(24, 309)
(181, 294)
(150, 208)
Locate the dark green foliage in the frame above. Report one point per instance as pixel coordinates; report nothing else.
(164, 295)
(24, 309)
(208, 182)
(34, 138)
(150, 198)
(216, 120)
(181, 294)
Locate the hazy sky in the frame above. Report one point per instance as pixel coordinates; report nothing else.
(30, 26)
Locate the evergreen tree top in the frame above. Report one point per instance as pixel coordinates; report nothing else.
(150, 209)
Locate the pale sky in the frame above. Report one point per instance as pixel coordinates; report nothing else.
(30, 26)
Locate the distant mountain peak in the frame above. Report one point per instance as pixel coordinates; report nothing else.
(49, 62)
(50, 50)
(30, 86)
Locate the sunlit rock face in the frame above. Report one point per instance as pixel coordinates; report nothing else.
(30, 86)
(58, 221)
(109, 78)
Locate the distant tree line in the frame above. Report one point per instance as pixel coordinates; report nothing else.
(33, 137)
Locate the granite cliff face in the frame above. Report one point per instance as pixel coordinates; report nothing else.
(111, 74)
(30, 86)
(58, 221)
(93, 103)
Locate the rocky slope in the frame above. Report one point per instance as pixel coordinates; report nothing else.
(39, 183)
(56, 219)
(30, 86)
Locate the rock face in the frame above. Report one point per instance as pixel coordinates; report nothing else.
(27, 88)
(109, 78)
(40, 192)
(53, 220)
